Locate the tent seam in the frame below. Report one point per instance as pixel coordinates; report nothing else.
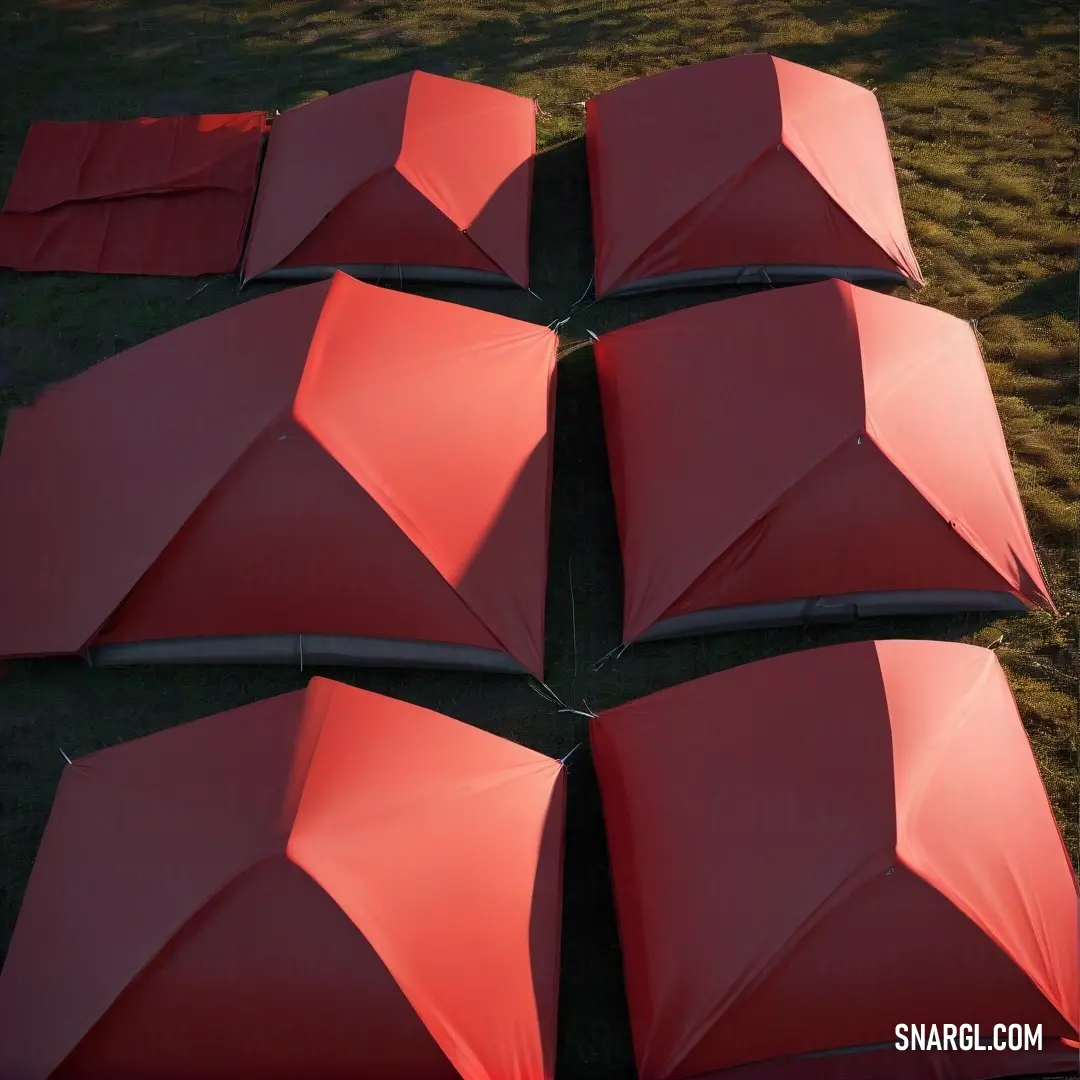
(828, 195)
(157, 954)
(187, 519)
(307, 772)
(507, 775)
(966, 706)
(959, 528)
(775, 505)
(727, 185)
(974, 919)
(826, 907)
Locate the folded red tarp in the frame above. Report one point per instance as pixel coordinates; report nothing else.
(326, 884)
(748, 168)
(810, 850)
(167, 196)
(417, 175)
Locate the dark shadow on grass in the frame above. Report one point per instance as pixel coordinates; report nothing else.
(545, 916)
(1055, 295)
(560, 247)
(584, 597)
(714, 651)
(594, 1026)
(199, 57)
(916, 35)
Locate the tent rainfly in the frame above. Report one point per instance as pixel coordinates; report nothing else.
(328, 884)
(413, 177)
(336, 473)
(167, 195)
(817, 453)
(811, 850)
(746, 169)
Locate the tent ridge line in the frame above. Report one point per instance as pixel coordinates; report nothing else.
(397, 516)
(399, 159)
(893, 255)
(464, 230)
(547, 770)
(447, 1034)
(775, 504)
(245, 277)
(313, 696)
(725, 187)
(409, 529)
(958, 525)
(467, 233)
(948, 730)
(961, 715)
(195, 912)
(979, 925)
(860, 876)
(226, 471)
(363, 181)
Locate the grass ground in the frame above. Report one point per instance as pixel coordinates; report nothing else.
(980, 100)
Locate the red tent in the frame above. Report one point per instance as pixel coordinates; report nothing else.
(328, 884)
(810, 850)
(813, 453)
(335, 473)
(169, 196)
(748, 169)
(416, 176)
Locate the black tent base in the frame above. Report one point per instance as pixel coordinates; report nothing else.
(831, 609)
(758, 275)
(386, 274)
(305, 649)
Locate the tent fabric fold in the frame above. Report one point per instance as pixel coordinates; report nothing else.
(336, 460)
(168, 195)
(237, 897)
(415, 175)
(868, 825)
(795, 183)
(857, 429)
